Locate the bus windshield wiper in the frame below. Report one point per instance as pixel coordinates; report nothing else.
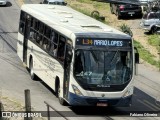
(114, 57)
(94, 56)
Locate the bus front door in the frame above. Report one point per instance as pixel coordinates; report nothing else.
(26, 36)
(67, 63)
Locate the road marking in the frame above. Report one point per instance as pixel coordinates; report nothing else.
(146, 105)
(151, 104)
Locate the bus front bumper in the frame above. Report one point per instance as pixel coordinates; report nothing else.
(76, 100)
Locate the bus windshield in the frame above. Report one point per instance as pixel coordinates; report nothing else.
(95, 67)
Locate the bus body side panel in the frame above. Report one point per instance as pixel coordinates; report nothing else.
(45, 67)
(20, 46)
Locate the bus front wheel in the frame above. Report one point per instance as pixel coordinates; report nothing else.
(61, 100)
(31, 69)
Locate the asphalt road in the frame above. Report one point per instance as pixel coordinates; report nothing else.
(14, 78)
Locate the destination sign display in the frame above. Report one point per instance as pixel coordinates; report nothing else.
(103, 42)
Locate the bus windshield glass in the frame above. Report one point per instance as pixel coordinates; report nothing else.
(98, 67)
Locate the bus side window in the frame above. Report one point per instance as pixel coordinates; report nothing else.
(53, 50)
(47, 31)
(22, 22)
(41, 28)
(54, 40)
(21, 27)
(35, 35)
(54, 37)
(39, 39)
(46, 44)
(36, 27)
(61, 48)
(31, 35)
(33, 26)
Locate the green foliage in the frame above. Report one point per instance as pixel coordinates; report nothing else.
(84, 1)
(146, 55)
(126, 29)
(81, 10)
(154, 40)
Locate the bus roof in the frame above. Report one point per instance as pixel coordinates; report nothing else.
(69, 21)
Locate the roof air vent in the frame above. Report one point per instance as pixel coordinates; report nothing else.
(64, 12)
(64, 20)
(68, 16)
(91, 26)
(51, 7)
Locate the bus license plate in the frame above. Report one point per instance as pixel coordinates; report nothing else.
(102, 104)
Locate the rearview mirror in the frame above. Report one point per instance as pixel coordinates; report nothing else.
(137, 58)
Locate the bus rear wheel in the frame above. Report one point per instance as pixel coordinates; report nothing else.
(31, 69)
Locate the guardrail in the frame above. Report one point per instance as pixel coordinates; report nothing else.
(48, 111)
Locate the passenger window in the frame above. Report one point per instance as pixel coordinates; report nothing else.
(46, 44)
(61, 48)
(54, 37)
(35, 35)
(53, 50)
(21, 27)
(32, 21)
(39, 39)
(35, 24)
(41, 28)
(22, 22)
(47, 32)
(31, 35)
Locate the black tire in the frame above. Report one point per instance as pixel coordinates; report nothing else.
(111, 9)
(33, 76)
(153, 30)
(61, 100)
(95, 14)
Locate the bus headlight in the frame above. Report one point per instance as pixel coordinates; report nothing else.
(76, 90)
(128, 92)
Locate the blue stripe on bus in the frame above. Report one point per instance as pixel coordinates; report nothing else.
(76, 100)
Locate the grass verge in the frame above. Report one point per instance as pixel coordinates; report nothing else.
(146, 55)
(154, 40)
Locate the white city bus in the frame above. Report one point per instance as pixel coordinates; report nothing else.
(83, 60)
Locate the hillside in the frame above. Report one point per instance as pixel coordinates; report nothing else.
(87, 6)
